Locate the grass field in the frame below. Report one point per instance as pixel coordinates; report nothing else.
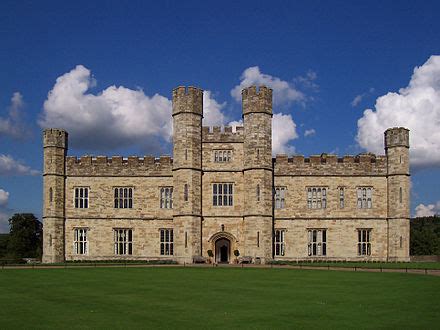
(215, 298)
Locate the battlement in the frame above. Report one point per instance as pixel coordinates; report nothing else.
(187, 99)
(216, 134)
(396, 137)
(55, 137)
(119, 166)
(325, 164)
(257, 100)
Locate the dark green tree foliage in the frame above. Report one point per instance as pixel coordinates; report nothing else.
(425, 236)
(3, 245)
(25, 237)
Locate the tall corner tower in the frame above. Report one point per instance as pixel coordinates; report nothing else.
(398, 179)
(258, 172)
(187, 172)
(55, 150)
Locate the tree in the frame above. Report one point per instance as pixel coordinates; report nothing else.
(25, 237)
(425, 236)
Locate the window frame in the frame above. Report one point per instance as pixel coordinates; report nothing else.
(80, 242)
(317, 242)
(219, 197)
(81, 196)
(222, 155)
(279, 242)
(123, 247)
(364, 242)
(280, 197)
(166, 197)
(166, 239)
(317, 197)
(126, 200)
(364, 197)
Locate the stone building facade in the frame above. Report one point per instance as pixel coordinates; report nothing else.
(223, 192)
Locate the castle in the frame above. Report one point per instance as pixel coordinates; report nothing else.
(223, 194)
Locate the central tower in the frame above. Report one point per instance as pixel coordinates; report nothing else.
(258, 172)
(187, 172)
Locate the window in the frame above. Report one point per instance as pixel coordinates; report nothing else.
(341, 198)
(316, 198)
(222, 156)
(185, 192)
(166, 242)
(123, 241)
(166, 197)
(364, 245)
(258, 192)
(400, 195)
(123, 198)
(80, 241)
(50, 194)
(317, 242)
(82, 198)
(279, 197)
(222, 194)
(364, 197)
(279, 242)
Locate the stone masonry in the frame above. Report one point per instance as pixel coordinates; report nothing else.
(226, 194)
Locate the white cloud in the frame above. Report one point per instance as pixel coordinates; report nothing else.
(115, 117)
(212, 111)
(10, 166)
(357, 99)
(423, 210)
(4, 197)
(416, 107)
(12, 124)
(283, 132)
(235, 123)
(283, 91)
(309, 132)
(4, 214)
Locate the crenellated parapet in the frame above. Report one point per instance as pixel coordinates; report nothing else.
(257, 100)
(119, 166)
(331, 165)
(216, 134)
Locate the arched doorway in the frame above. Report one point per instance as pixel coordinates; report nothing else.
(222, 250)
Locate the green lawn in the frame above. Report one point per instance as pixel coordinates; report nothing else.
(216, 298)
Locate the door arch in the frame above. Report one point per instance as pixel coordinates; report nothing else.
(222, 250)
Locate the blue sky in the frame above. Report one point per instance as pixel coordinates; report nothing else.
(327, 61)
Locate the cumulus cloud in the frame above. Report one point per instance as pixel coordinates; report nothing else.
(309, 132)
(212, 110)
(113, 118)
(12, 125)
(4, 197)
(429, 210)
(283, 133)
(10, 166)
(283, 91)
(416, 107)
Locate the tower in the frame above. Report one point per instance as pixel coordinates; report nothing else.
(258, 172)
(187, 172)
(55, 150)
(397, 152)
